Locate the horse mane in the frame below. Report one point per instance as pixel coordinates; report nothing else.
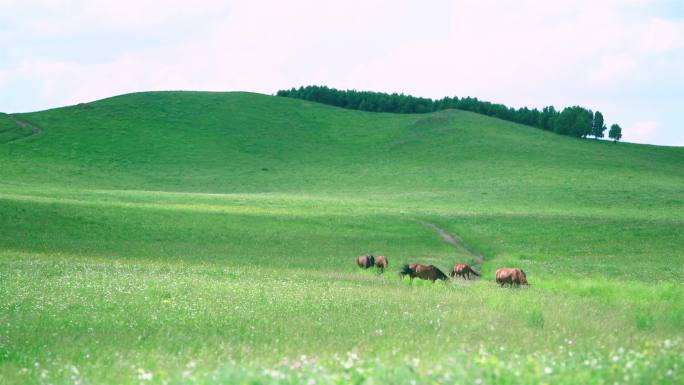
(406, 270)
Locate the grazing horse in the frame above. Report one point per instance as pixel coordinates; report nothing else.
(511, 276)
(421, 271)
(365, 261)
(381, 263)
(463, 270)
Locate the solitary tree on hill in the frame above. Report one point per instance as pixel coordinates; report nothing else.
(615, 132)
(598, 127)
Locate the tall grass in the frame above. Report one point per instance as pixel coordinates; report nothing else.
(211, 238)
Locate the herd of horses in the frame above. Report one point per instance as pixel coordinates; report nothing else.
(504, 276)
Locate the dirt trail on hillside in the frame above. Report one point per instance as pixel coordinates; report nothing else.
(35, 130)
(458, 244)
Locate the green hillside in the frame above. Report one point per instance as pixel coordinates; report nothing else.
(216, 233)
(10, 131)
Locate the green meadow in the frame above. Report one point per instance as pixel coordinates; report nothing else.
(211, 238)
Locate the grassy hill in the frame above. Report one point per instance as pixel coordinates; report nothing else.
(10, 131)
(215, 234)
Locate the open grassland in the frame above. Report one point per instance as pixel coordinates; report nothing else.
(211, 238)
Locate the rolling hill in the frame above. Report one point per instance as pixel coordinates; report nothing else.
(170, 228)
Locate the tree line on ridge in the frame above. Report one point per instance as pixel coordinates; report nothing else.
(572, 121)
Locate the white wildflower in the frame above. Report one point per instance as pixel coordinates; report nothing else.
(144, 375)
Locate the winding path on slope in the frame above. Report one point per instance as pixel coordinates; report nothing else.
(35, 130)
(458, 244)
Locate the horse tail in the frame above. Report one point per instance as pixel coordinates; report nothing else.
(406, 270)
(475, 272)
(440, 274)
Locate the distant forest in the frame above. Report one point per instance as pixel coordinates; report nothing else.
(573, 121)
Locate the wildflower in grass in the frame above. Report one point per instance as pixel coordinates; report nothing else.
(274, 374)
(144, 375)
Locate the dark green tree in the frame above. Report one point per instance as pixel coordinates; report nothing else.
(598, 126)
(574, 121)
(547, 118)
(615, 132)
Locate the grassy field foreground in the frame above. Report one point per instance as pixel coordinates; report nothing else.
(210, 238)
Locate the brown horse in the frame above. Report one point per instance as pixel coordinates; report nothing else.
(365, 261)
(511, 276)
(463, 270)
(381, 263)
(421, 271)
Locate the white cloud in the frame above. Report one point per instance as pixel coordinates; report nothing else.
(659, 36)
(640, 132)
(615, 68)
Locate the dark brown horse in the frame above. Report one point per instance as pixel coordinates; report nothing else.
(421, 271)
(365, 261)
(381, 263)
(511, 276)
(463, 270)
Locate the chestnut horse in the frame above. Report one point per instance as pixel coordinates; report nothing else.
(511, 276)
(381, 263)
(365, 261)
(463, 270)
(421, 271)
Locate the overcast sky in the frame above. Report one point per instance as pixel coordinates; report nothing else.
(624, 58)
